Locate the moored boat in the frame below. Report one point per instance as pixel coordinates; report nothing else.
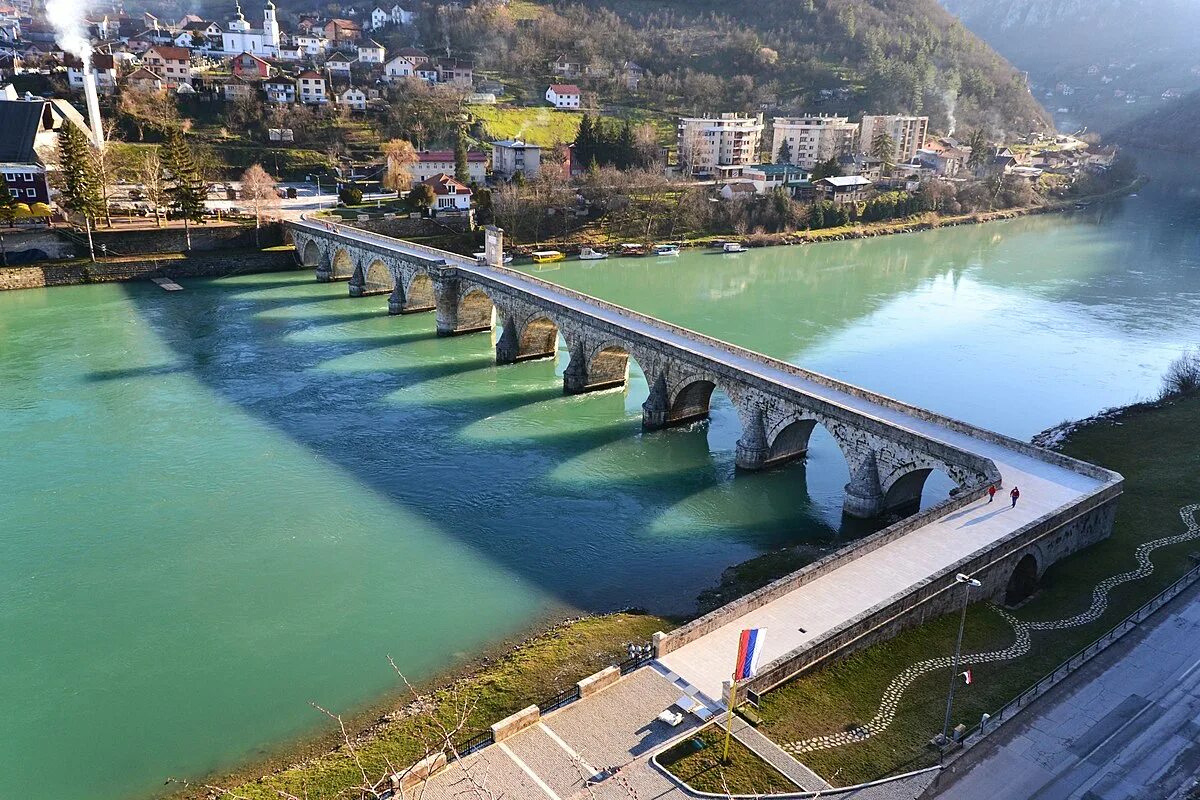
(588, 254)
(547, 256)
(734, 247)
(666, 249)
(633, 249)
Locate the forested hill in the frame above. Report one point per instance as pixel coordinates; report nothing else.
(847, 56)
(1175, 127)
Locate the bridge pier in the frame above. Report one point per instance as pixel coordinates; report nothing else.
(864, 496)
(609, 369)
(752, 449)
(457, 314)
(324, 271)
(397, 304)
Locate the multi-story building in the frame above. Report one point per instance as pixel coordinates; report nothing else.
(907, 133)
(512, 156)
(172, 64)
(312, 88)
(432, 162)
(721, 145)
(807, 141)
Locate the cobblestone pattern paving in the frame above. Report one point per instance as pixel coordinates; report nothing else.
(1020, 646)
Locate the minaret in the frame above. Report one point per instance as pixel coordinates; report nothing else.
(270, 30)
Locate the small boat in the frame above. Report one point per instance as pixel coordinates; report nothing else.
(633, 249)
(588, 254)
(666, 249)
(482, 258)
(547, 256)
(734, 247)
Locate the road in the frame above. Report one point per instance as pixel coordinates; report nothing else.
(1125, 726)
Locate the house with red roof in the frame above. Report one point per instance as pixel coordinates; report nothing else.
(449, 194)
(564, 95)
(432, 162)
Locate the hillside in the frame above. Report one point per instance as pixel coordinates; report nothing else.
(1175, 127)
(847, 56)
(1115, 57)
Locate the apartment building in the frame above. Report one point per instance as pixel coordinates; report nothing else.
(908, 133)
(812, 139)
(721, 145)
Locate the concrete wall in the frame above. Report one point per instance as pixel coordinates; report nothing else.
(594, 683)
(515, 723)
(193, 266)
(401, 227)
(28, 245)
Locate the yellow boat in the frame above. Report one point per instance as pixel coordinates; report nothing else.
(547, 256)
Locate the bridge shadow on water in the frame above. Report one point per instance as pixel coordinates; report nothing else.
(566, 492)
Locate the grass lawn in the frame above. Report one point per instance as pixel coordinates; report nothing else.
(697, 762)
(534, 671)
(1161, 465)
(542, 126)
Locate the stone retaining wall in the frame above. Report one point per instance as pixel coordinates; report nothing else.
(515, 723)
(174, 240)
(196, 265)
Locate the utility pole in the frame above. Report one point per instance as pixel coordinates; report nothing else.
(968, 582)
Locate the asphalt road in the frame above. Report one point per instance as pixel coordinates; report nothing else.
(1125, 726)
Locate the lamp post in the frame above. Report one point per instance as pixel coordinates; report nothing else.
(968, 582)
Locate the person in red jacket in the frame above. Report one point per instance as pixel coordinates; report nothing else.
(991, 492)
(1014, 494)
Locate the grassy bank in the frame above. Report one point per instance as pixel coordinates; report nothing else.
(697, 762)
(530, 672)
(1149, 447)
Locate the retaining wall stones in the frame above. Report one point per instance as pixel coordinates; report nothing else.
(195, 265)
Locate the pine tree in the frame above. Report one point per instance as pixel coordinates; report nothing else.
(79, 189)
(883, 147)
(187, 191)
(785, 153)
(585, 141)
(626, 149)
(462, 170)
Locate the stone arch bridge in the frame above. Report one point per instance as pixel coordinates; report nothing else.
(869, 589)
(887, 445)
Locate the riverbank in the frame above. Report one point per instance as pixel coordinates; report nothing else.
(195, 264)
(391, 732)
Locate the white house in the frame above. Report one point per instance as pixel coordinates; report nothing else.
(404, 64)
(354, 99)
(431, 163)
(370, 52)
(312, 88)
(339, 63)
(280, 90)
(379, 18)
(311, 44)
(402, 16)
(449, 194)
(563, 95)
(510, 156)
(103, 65)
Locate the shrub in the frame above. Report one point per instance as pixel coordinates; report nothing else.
(1183, 376)
(350, 195)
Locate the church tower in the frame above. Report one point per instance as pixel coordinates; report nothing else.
(270, 29)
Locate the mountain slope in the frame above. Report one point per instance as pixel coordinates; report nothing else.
(1175, 127)
(794, 55)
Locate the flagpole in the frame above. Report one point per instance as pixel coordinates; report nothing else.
(729, 718)
(967, 583)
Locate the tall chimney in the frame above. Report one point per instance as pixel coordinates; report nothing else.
(93, 106)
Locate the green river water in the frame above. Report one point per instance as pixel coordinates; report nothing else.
(219, 504)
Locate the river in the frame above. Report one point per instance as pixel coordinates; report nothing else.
(222, 503)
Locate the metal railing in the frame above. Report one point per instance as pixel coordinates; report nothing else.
(1010, 709)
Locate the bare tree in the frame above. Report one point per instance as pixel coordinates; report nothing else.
(261, 192)
(145, 168)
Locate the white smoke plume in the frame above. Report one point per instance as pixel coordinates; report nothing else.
(951, 98)
(69, 18)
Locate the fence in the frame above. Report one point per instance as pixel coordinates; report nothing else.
(1010, 709)
(478, 741)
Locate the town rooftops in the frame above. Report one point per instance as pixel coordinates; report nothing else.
(846, 182)
(339, 57)
(515, 143)
(172, 53)
(411, 52)
(443, 185)
(564, 88)
(310, 74)
(142, 74)
(194, 25)
(20, 121)
(447, 156)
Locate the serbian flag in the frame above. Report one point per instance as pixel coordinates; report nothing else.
(749, 649)
(967, 677)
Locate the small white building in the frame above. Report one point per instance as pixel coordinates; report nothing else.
(354, 99)
(311, 88)
(402, 16)
(512, 156)
(449, 194)
(339, 63)
(103, 65)
(564, 95)
(311, 44)
(379, 18)
(370, 52)
(280, 90)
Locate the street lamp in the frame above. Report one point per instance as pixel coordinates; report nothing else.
(968, 582)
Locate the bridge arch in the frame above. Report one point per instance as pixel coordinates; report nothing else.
(692, 399)
(377, 279)
(413, 292)
(342, 264)
(903, 489)
(310, 254)
(1023, 581)
(537, 337)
